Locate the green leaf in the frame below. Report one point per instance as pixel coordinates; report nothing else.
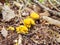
(41, 1)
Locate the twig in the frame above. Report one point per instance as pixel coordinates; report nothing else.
(20, 40)
(57, 2)
(30, 34)
(53, 5)
(16, 35)
(46, 8)
(52, 21)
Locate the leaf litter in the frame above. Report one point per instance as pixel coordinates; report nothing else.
(46, 31)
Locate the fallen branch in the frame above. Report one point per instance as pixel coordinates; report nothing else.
(51, 21)
(46, 8)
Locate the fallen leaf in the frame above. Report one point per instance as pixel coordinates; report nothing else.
(4, 32)
(7, 13)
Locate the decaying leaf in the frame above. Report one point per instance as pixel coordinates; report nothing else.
(7, 13)
(4, 32)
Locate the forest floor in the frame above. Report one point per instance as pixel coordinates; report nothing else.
(45, 29)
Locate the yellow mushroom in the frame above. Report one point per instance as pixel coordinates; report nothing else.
(22, 29)
(34, 15)
(10, 28)
(28, 22)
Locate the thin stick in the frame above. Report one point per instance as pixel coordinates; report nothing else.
(46, 8)
(57, 2)
(53, 5)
